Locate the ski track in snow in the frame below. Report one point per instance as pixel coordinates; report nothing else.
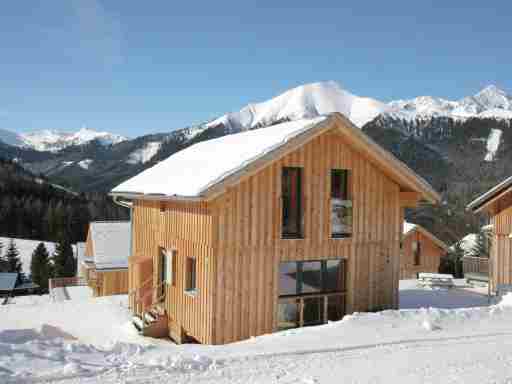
(493, 143)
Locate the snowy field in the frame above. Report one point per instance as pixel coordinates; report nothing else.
(86, 340)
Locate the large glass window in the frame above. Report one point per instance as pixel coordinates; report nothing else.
(311, 292)
(292, 202)
(341, 203)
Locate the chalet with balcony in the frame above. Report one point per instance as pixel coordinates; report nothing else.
(292, 225)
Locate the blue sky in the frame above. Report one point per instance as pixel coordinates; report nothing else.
(135, 67)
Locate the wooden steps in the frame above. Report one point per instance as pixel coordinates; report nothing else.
(152, 323)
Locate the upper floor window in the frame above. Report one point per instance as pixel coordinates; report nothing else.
(292, 202)
(191, 274)
(341, 203)
(416, 250)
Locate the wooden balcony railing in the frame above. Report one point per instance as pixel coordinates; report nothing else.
(472, 264)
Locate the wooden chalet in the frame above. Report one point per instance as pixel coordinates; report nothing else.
(497, 204)
(275, 228)
(104, 264)
(421, 251)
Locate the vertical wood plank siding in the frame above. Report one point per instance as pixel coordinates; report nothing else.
(112, 282)
(248, 246)
(430, 257)
(186, 228)
(501, 249)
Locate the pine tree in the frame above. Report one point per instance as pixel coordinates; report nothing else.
(452, 262)
(63, 259)
(40, 267)
(3, 262)
(481, 246)
(12, 257)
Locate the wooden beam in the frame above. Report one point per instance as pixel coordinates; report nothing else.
(409, 199)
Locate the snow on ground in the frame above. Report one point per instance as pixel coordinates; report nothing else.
(493, 143)
(26, 248)
(145, 154)
(468, 345)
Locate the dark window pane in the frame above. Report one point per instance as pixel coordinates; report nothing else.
(191, 274)
(341, 203)
(311, 277)
(288, 315)
(292, 202)
(335, 308)
(288, 279)
(313, 310)
(335, 276)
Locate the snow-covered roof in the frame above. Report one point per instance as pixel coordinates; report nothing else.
(409, 228)
(200, 170)
(8, 281)
(481, 201)
(188, 173)
(110, 244)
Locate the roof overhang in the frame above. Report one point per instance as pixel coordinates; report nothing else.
(485, 201)
(408, 180)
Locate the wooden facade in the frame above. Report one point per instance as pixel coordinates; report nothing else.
(235, 238)
(497, 203)
(429, 258)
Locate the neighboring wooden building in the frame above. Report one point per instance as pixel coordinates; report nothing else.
(421, 251)
(105, 260)
(497, 204)
(280, 227)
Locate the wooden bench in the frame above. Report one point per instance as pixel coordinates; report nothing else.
(435, 280)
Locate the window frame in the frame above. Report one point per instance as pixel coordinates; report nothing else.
(299, 234)
(191, 275)
(325, 297)
(347, 174)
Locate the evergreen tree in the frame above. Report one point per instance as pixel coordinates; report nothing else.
(12, 257)
(452, 262)
(40, 267)
(63, 259)
(3, 262)
(481, 246)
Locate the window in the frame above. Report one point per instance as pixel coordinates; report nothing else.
(190, 284)
(170, 277)
(341, 203)
(163, 273)
(292, 202)
(311, 292)
(416, 250)
(162, 207)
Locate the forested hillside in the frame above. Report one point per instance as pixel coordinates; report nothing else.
(32, 208)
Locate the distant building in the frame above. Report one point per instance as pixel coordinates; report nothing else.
(105, 258)
(421, 251)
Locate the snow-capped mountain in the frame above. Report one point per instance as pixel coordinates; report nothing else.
(49, 140)
(306, 101)
(491, 102)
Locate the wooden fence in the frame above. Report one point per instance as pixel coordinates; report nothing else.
(66, 282)
(472, 264)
